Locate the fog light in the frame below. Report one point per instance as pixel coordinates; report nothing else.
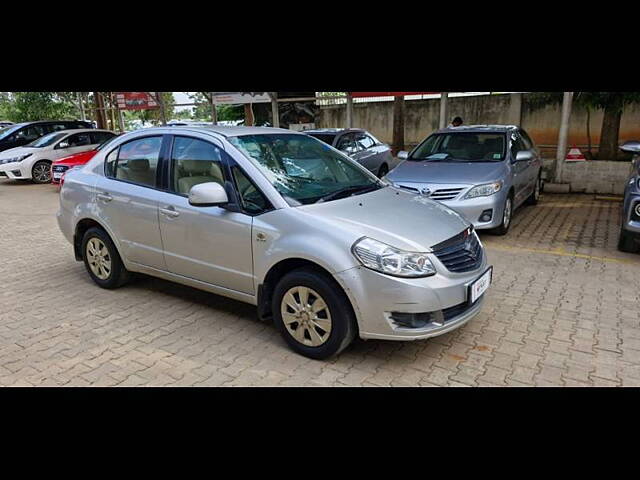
(486, 216)
(411, 320)
(16, 173)
(637, 210)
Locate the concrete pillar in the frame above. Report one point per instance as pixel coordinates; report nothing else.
(275, 114)
(83, 117)
(349, 110)
(444, 96)
(515, 109)
(214, 111)
(562, 136)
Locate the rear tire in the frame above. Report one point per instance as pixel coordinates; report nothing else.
(507, 214)
(41, 172)
(102, 260)
(318, 317)
(627, 242)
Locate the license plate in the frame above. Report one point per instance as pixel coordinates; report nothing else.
(57, 175)
(477, 288)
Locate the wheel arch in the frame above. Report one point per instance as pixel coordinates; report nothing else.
(280, 269)
(81, 228)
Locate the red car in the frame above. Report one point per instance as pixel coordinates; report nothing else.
(60, 167)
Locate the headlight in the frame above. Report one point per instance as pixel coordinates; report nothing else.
(19, 158)
(384, 258)
(484, 190)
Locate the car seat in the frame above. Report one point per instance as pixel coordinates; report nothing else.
(194, 172)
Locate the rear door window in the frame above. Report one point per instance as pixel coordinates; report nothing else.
(135, 161)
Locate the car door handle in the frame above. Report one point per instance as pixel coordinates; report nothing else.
(105, 197)
(170, 212)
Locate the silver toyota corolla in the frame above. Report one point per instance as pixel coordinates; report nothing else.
(483, 172)
(280, 220)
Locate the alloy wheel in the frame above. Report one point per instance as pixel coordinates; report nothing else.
(506, 217)
(306, 316)
(99, 258)
(42, 173)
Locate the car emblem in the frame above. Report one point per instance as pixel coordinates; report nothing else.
(426, 191)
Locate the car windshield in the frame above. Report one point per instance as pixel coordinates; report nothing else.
(6, 131)
(47, 140)
(303, 169)
(324, 137)
(465, 147)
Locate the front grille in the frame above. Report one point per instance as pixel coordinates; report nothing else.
(461, 253)
(445, 194)
(60, 168)
(439, 195)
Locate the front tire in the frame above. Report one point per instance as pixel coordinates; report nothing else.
(102, 261)
(507, 213)
(627, 243)
(313, 314)
(41, 172)
(384, 169)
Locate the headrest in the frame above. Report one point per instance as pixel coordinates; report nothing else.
(196, 167)
(138, 164)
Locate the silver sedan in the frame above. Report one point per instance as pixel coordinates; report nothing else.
(360, 145)
(279, 220)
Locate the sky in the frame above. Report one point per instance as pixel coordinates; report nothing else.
(181, 97)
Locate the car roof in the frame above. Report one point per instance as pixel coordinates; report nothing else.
(81, 130)
(333, 130)
(225, 131)
(478, 129)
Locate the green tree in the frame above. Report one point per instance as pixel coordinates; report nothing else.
(29, 106)
(613, 104)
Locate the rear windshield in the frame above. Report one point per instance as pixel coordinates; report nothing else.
(465, 147)
(324, 137)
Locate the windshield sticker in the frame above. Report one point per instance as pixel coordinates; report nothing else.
(497, 156)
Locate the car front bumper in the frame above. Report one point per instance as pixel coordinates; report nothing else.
(377, 297)
(631, 220)
(12, 171)
(471, 209)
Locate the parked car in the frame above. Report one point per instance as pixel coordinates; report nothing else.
(630, 222)
(360, 145)
(483, 172)
(59, 167)
(6, 124)
(21, 134)
(33, 161)
(280, 220)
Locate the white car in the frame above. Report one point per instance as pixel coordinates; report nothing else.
(33, 161)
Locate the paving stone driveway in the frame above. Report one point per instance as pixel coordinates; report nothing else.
(564, 310)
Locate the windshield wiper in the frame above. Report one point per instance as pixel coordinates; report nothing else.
(347, 192)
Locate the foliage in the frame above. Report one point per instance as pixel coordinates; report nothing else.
(604, 100)
(29, 106)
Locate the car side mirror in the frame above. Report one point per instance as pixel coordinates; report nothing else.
(210, 194)
(524, 156)
(63, 145)
(631, 147)
(403, 155)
